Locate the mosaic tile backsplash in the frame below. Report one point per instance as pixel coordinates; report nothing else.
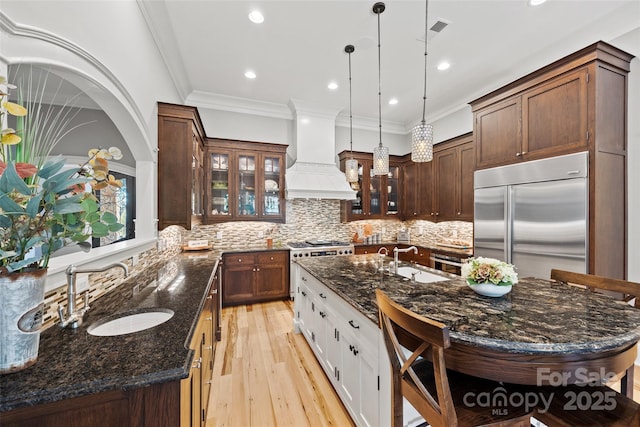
(306, 219)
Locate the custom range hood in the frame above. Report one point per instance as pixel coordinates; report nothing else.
(315, 175)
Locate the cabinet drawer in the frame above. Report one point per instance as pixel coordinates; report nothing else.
(276, 257)
(239, 259)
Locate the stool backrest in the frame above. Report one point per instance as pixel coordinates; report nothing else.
(408, 337)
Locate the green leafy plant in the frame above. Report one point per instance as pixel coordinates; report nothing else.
(43, 206)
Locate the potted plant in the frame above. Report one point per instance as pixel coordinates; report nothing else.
(43, 207)
(489, 276)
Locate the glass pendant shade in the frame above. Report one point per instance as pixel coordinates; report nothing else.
(422, 143)
(381, 160)
(351, 170)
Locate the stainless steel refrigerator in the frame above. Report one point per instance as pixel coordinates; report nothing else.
(534, 214)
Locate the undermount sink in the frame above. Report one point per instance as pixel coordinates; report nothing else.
(421, 276)
(129, 322)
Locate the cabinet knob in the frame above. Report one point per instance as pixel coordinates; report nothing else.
(437, 213)
(431, 214)
(239, 259)
(523, 153)
(258, 269)
(458, 213)
(518, 154)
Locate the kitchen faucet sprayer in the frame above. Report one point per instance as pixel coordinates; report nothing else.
(74, 316)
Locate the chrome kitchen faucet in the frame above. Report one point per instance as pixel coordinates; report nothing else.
(74, 316)
(395, 255)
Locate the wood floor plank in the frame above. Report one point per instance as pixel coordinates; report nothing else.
(265, 375)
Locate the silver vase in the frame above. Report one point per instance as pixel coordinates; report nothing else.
(21, 312)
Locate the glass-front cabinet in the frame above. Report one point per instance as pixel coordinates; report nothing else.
(219, 183)
(272, 184)
(376, 195)
(246, 181)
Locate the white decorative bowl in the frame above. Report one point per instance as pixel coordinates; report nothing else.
(489, 289)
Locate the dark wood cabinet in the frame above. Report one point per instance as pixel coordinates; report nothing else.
(453, 163)
(578, 103)
(377, 196)
(245, 181)
(418, 188)
(180, 166)
(250, 277)
(441, 190)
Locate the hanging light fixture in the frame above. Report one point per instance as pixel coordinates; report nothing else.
(351, 165)
(422, 134)
(380, 153)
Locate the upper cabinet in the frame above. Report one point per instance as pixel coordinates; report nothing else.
(208, 180)
(377, 196)
(550, 112)
(246, 181)
(453, 166)
(441, 190)
(180, 166)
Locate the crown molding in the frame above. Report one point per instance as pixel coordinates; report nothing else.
(239, 105)
(157, 19)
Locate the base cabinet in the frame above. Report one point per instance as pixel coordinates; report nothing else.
(250, 277)
(195, 390)
(345, 344)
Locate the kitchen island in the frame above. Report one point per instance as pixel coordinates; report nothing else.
(136, 374)
(539, 325)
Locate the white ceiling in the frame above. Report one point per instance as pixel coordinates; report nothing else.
(299, 49)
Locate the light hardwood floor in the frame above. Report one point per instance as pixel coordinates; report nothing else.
(265, 375)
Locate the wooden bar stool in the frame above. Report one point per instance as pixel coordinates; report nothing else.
(628, 291)
(416, 346)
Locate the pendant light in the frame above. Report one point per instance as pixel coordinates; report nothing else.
(380, 153)
(422, 134)
(351, 165)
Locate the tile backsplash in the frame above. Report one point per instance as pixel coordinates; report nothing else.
(320, 219)
(306, 219)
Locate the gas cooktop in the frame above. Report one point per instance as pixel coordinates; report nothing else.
(317, 243)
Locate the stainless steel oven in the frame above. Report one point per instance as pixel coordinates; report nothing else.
(449, 263)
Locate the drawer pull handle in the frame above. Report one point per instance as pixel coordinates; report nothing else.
(323, 296)
(304, 294)
(353, 325)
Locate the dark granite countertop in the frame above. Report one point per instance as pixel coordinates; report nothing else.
(536, 317)
(73, 363)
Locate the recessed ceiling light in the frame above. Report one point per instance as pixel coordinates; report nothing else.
(443, 66)
(256, 17)
(250, 74)
(536, 2)
(393, 101)
(332, 85)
